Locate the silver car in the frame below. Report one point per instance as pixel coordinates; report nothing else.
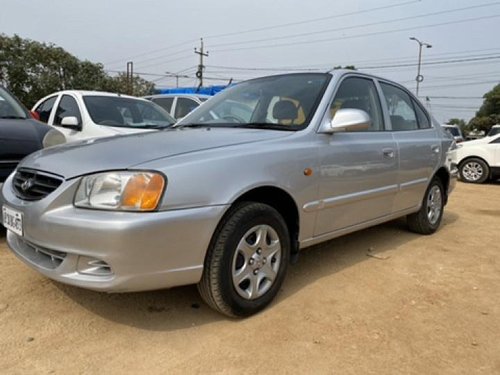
(227, 203)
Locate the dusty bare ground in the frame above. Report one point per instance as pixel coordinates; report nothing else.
(413, 304)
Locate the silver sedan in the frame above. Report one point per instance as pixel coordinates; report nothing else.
(226, 201)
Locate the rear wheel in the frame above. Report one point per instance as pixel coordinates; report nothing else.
(474, 170)
(428, 218)
(247, 260)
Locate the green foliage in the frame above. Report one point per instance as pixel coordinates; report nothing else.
(456, 121)
(121, 84)
(350, 67)
(489, 113)
(32, 70)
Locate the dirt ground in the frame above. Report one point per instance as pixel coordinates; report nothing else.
(381, 301)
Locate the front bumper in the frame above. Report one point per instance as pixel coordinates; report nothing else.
(111, 251)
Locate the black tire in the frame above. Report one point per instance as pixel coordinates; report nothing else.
(474, 171)
(428, 218)
(226, 259)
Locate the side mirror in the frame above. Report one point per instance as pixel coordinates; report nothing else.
(350, 119)
(71, 122)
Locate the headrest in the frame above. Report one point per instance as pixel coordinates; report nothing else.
(285, 110)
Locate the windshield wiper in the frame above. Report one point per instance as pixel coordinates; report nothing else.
(155, 126)
(193, 125)
(12, 117)
(267, 125)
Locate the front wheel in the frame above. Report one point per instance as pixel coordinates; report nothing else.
(247, 260)
(474, 170)
(428, 218)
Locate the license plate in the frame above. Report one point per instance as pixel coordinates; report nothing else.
(12, 220)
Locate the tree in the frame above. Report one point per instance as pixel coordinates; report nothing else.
(32, 70)
(122, 85)
(489, 113)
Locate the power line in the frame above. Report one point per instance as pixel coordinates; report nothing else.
(456, 97)
(312, 20)
(465, 20)
(148, 53)
(113, 62)
(357, 26)
(431, 63)
(462, 84)
(327, 66)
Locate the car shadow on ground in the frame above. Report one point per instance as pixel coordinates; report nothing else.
(181, 308)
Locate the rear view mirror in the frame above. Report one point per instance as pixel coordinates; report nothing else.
(71, 122)
(350, 119)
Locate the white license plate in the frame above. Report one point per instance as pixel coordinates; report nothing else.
(12, 220)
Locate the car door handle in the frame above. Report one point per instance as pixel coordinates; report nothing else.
(436, 149)
(388, 153)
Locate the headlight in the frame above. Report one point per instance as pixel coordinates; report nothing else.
(124, 191)
(53, 138)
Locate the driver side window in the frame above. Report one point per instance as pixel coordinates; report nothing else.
(67, 107)
(359, 93)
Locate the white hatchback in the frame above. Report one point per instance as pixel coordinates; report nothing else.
(92, 114)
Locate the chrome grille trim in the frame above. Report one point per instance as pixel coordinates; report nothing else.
(32, 185)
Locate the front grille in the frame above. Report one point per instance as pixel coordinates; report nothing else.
(34, 185)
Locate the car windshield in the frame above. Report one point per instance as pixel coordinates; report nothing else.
(494, 131)
(126, 112)
(9, 107)
(283, 102)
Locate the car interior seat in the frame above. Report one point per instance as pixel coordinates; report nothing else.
(285, 110)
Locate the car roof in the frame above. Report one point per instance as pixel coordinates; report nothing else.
(94, 93)
(185, 95)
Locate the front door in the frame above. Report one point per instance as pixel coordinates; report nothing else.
(358, 169)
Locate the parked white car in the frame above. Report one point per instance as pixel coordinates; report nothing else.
(92, 114)
(178, 105)
(495, 129)
(455, 131)
(478, 160)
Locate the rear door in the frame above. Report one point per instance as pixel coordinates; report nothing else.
(44, 109)
(418, 144)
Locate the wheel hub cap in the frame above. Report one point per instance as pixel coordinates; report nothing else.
(256, 262)
(434, 204)
(472, 171)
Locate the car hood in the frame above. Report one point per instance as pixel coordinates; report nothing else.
(19, 138)
(123, 152)
(477, 142)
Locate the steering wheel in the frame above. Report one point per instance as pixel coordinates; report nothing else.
(233, 118)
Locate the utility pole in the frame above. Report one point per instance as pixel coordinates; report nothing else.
(177, 76)
(201, 67)
(130, 77)
(419, 78)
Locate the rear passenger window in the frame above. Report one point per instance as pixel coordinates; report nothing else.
(359, 93)
(165, 103)
(184, 106)
(423, 120)
(45, 108)
(400, 107)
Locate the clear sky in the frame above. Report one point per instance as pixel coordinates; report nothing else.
(247, 39)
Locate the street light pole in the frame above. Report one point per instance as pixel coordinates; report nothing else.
(419, 78)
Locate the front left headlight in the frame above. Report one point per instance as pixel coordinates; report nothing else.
(121, 190)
